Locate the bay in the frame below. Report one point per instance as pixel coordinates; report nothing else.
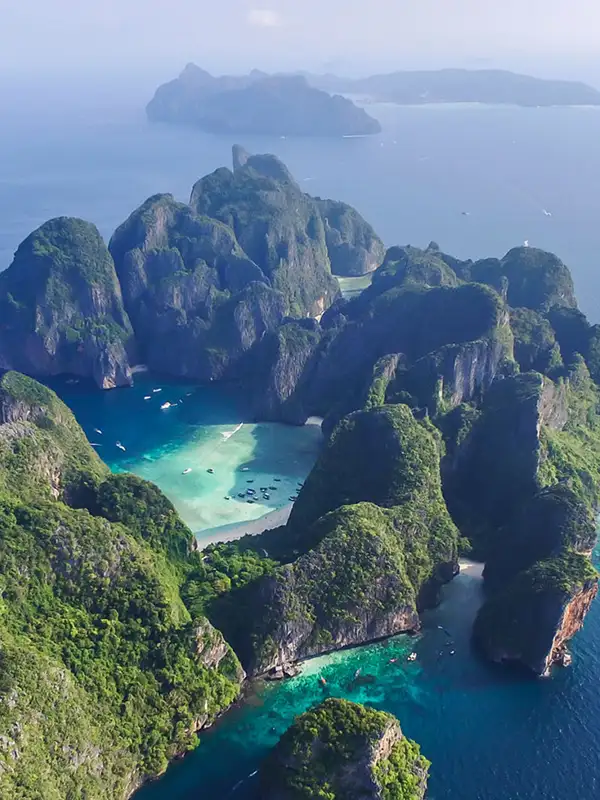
(490, 733)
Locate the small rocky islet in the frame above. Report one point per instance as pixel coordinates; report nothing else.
(460, 418)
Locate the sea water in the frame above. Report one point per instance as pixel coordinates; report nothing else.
(205, 428)
(491, 734)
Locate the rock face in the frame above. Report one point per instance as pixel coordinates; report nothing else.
(350, 752)
(61, 307)
(497, 468)
(354, 247)
(257, 104)
(452, 343)
(197, 302)
(364, 569)
(533, 618)
(277, 225)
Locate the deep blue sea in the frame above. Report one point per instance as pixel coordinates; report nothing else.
(490, 734)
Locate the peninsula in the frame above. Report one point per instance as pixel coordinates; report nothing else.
(274, 105)
(489, 86)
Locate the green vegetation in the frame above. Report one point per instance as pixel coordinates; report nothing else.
(336, 752)
(61, 305)
(383, 456)
(358, 572)
(278, 226)
(104, 674)
(536, 347)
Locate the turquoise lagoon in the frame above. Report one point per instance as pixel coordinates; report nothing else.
(205, 427)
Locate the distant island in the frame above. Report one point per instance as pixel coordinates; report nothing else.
(491, 86)
(278, 105)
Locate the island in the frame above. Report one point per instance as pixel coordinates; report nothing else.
(460, 418)
(489, 86)
(344, 751)
(273, 105)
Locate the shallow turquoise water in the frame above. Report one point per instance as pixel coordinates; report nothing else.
(491, 734)
(206, 428)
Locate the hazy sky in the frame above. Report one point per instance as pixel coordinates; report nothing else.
(162, 35)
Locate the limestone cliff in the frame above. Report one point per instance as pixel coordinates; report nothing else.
(196, 301)
(496, 469)
(61, 308)
(350, 752)
(531, 620)
(277, 225)
(282, 365)
(353, 246)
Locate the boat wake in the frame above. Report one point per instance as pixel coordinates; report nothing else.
(228, 434)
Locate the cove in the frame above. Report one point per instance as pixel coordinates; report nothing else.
(206, 427)
(489, 732)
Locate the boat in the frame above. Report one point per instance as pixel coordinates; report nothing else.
(266, 496)
(526, 243)
(277, 480)
(166, 405)
(241, 494)
(228, 498)
(250, 481)
(95, 444)
(412, 657)
(210, 471)
(154, 391)
(251, 491)
(322, 681)
(357, 673)
(120, 446)
(250, 500)
(452, 652)
(292, 498)
(244, 469)
(148, 397)
(187, 471)
(272, 488)
(97, 430)
(546, 212)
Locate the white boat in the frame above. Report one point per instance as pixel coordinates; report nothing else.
(154, 391)
(148, 397)
(412, 657)
(546, 212)
(166, 405)
(120, 446)
(187, 471)
(97, 430)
